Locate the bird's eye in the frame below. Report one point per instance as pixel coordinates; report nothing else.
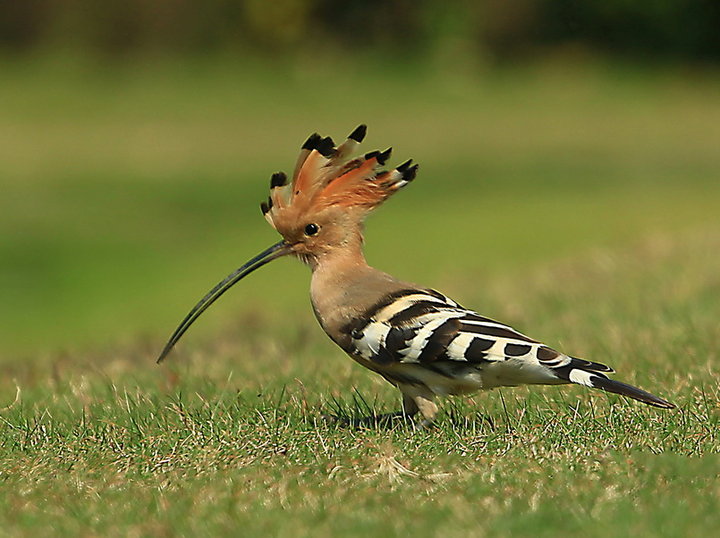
(312, 229)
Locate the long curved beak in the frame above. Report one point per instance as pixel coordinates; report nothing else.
(276, 251)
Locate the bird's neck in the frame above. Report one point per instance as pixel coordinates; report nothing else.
(344, 286)
(334, 272)
(348, 256)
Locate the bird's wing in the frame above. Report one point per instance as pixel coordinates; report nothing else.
(425, 326)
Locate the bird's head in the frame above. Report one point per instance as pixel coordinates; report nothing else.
(319, 210)
(322, 208)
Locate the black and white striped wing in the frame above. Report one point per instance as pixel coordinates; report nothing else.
(425, 327)
(432, 334)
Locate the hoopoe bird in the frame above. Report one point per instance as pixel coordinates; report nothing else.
(418, 339)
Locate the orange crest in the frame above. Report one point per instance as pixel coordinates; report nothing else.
(326, 176)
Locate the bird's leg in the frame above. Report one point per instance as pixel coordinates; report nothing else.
(409, 408)
(421, 399)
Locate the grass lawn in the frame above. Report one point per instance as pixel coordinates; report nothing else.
(580, 205)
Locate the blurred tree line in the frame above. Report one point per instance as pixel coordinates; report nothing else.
(497, 29)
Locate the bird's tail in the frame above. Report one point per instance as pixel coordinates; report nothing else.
(577, 372)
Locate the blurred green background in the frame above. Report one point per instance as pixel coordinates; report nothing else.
(137, 139)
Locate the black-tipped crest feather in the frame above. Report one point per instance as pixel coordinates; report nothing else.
(358, 135)
(278, 179)
(410, 173)
(384, 156)
(326, 147)
(404, 166)
(312, 142)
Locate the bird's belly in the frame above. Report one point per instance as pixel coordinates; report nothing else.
(442, 378)
(513, 372)
(451, 377)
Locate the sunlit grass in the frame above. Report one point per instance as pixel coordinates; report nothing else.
(229, 433)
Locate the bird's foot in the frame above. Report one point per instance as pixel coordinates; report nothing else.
(426, 424)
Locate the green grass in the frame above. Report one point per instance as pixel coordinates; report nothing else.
(582, 207)
(229, 434)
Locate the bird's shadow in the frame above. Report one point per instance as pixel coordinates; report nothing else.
(384, 421)
(402, 420)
